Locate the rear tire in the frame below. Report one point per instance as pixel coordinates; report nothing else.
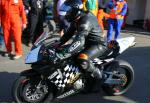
(128, 75)
(21, 85)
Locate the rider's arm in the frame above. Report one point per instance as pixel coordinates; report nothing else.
(79, 40)
(68, 34)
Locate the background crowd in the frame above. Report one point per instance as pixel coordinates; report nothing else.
(29, 15)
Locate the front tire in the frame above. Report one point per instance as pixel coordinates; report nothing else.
(127, 72)
(22, 92)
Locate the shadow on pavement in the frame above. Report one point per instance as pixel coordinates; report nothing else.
(2, 53)
(139, 58)
(89, 98)
(135, 30)
(6, 81)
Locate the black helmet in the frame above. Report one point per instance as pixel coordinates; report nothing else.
(71, 10)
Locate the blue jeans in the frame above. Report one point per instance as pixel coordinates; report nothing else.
(1, 37)
(114, 24)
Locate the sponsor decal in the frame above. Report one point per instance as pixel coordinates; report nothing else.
(53, 75)
(66, 94)
(73, 79)
(74, 46)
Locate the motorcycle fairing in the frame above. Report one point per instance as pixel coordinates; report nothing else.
(32, 56)
(70, 74)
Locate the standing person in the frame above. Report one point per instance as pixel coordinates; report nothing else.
(36, 19)
(1, 39)
(100, 16)
(11, 12)
(118, 9)
(91, 5)
(125, 19)
(55, 13)
(63, 24)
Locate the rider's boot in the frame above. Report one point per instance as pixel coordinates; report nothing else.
(95, 72)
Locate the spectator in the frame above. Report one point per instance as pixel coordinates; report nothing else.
(100, 16)
(55, 13)
(125, 19)
(118, 9)
(1, 39)
(63, 24)
(146, 24)
(11, 11)
(91, 5)
(36, 19)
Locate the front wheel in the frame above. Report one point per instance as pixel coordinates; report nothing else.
(25, 90)
(124, 72)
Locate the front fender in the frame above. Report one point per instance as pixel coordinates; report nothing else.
(29, 72)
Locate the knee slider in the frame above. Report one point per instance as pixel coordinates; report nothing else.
(84, 64)
(83, 61)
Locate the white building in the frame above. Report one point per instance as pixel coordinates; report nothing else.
(138, 10)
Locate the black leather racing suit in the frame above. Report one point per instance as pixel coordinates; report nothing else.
(88, 35)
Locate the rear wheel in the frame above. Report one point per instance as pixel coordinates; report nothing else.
(27, 91)
(123, 72)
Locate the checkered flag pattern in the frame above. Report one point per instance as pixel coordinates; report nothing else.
(66, 76)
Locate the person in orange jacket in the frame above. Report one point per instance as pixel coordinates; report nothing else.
(100, 16)
(11, 13)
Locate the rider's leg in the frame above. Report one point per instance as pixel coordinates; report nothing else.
(88, 54)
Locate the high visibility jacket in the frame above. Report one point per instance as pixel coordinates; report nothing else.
(11, 13)
(119, 10)
(100, 16)
(12, 10)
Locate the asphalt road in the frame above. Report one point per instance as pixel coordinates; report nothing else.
(138, 56)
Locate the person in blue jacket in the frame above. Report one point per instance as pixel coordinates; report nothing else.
(1, 39)
(118, 9)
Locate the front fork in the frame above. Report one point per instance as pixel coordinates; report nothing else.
(42, 87)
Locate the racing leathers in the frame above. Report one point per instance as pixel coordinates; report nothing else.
(87, 42)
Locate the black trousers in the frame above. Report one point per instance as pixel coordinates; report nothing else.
(35, 26)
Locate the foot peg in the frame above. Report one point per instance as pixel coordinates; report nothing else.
(97, 73)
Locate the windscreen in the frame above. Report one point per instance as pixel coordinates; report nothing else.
(41, 38)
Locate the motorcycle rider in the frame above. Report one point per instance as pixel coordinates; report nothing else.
(88, 41)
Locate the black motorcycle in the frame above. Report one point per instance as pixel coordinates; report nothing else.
(48, 81)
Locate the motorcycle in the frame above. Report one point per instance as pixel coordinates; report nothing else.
(47, 82)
